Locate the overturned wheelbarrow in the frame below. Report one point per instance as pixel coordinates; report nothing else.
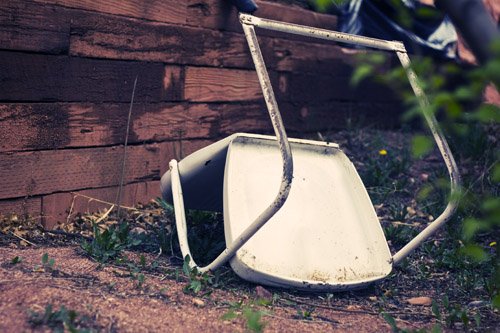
(296, 213)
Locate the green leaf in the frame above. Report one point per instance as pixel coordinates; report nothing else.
(488, 113)
(496, 301)
(185, 266)
(51, 263)
(471, 227)
(465, 93)
(436, 328)
(45, 258)
(491, 205)
(253, 318)
(230, 315)
(475, 252)
(435, 310)
(16, 260)
(391, 321)
(420, 146)
(496, 173)
(361, 73)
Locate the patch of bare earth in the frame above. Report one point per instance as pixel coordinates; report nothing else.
(112, 301)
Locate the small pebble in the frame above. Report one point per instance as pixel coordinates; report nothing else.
(263, 293)
(198, 302)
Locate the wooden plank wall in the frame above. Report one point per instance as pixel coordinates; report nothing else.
(67, 69)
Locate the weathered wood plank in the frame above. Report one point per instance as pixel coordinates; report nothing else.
(203, 84)
(316, 87)
(28, 26)
(307, 117)
(41, 172)
(34, 77)
(22, 207)
(57, 207)
(171, 11)
(103, 36)
(61, 207)
(63, 125)
(301, 57)
(26, 174)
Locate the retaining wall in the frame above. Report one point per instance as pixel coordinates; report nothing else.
(67, 69)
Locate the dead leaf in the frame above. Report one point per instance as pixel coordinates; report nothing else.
(422, 300)
(353, 307)
(411, 211)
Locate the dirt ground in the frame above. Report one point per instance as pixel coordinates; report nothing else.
(111, 301)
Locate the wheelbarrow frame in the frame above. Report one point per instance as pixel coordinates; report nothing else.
(249, 22)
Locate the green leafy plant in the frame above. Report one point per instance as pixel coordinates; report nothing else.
(197, 281)
(252, 315)
(109, 243)
(16, 260)
(472, 128)
(62, 320)
(47, 264)
(254, 319)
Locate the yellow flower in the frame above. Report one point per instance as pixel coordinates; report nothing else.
(493, 244)
(382, 152)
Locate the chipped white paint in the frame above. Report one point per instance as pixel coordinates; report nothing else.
(320, 234)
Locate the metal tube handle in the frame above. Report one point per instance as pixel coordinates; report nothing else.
(286, 178)
(445, 151)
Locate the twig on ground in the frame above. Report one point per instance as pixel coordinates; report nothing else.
(23, 239)
(357, 311)
(105, 214)
(65, 233)
(102, 201)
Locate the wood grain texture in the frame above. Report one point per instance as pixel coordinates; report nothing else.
(171, 11)
(205, 84)
(42, 172)
(64, 125)
(60, 207)
(325, 87)
(35, 77)
(27, 174)
(101, 36)
(28, 26)
(23, 207)
(111, 37)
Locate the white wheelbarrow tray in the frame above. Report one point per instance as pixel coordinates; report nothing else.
(319, 233)
(326, 233)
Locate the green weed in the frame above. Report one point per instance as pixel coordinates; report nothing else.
(109, 243)
(252, 315)
(16, 260)
(197, 281)
(47, 264)
(62, 320)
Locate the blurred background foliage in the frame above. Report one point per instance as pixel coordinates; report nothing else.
(455, 92)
